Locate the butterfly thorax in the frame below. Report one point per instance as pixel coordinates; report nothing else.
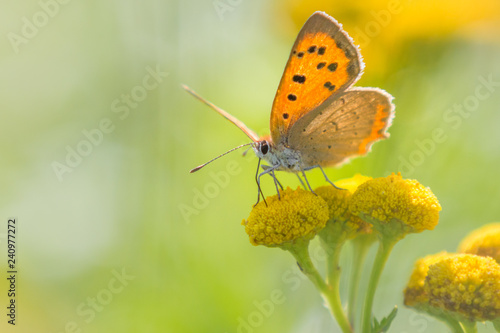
(280, 157)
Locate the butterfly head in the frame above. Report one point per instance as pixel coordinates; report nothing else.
(278, 156)
(263, 148)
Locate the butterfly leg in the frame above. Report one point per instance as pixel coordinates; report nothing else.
(267, 170)
(259, 191)
(270, 171)
(303, 185)
(307, 182)
(276, 179)
(328, 180)
(276, 182)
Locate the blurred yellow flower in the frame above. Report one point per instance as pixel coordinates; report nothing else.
(352, 184)
(414, 295)
(396, 205)
(299, 214)
(484, 241)
(381, 25)
(466, 285)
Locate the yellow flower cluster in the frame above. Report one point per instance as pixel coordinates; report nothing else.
(337, 201)
(389, 200)
(296, 214)
(465, 284)
(302, 214)
(393, 206)
(414, 294)
(338, 205)
(484, 242)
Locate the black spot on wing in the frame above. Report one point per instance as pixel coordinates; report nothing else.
(299, 78)
(329, 86)
(292, 97)
(333, 67)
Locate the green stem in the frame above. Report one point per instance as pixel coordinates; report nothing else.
(385, 247)
(333, 266)
(360, 250)
(496, 324)
(333, 271)
(301, 254)
(452, 323)
(469, 326)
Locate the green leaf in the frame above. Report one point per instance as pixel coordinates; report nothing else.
(385, 323)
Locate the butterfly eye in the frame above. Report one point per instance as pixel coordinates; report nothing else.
(264, 148)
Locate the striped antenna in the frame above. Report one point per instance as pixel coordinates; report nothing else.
(251, 134)
(213, 159)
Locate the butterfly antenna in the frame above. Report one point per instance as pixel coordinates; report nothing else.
(251, 134)
(213, 159)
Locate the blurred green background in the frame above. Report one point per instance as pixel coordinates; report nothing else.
(97, 138)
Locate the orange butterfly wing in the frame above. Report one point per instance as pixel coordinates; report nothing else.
(323, 62)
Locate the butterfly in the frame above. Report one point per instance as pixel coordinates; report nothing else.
(318, 119)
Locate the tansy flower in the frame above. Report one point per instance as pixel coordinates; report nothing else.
(336, 200)
(341, 222)
(290, 222)
(465, 285)
(298, 214)
(396, 206)
(484, 242)
(414, 295)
